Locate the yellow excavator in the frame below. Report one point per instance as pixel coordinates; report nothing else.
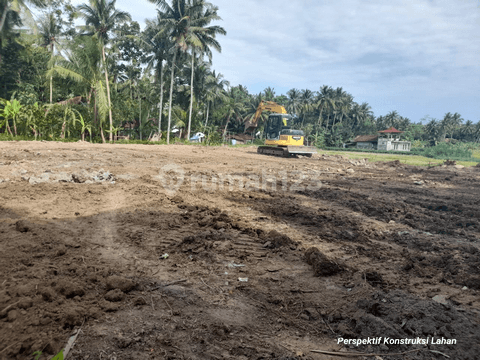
(280, 138)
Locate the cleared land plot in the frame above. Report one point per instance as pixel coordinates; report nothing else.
(177, 267)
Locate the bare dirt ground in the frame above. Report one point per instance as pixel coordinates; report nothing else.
(104, 238)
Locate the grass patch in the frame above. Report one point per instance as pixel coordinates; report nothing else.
(415, 160)
(461, 153)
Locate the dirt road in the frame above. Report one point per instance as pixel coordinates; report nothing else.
(189, 252)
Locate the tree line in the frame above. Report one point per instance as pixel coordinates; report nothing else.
(107, 77)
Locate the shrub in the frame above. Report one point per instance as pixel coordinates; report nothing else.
(448, 151)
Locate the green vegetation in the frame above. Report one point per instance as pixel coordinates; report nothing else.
(445, 151)
(404, 159)
(107, 77)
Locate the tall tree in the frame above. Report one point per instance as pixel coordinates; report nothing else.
(100, 18)
(158, 45)
(50, 30)
(83, 67)
(214, 88)
(174, 21)
(269, 93)
(233, 106)
(306, 103)
(324, 101)
(202, 38)
(17, 6)
(293, 102)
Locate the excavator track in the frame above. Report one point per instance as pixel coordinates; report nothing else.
(287, 151)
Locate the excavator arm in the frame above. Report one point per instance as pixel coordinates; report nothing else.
(263, 106)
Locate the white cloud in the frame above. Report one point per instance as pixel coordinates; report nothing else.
(400, 54)
(373, 49)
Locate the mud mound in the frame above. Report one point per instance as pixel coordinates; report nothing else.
(322, 266)
(117, 282)
(276, 240)
(23, 226)
(69, 289)
(458, 264)
(203, 241)
(398, 315)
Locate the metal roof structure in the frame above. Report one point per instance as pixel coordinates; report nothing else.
(365, 138)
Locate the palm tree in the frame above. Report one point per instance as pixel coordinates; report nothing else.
(250, 110)
(324, 101)
(50, 29)
(445, 124)
(306, 102)
(159, 46)
(83, 66)
(476, 132)
(175, 23)
(9, 19)
(201, 38)
(100, 18)
(360, 115)
(233, 107)
(214, 89)
(456, 121)
(269, 93)
(293, 103)
(345, 104)
(17, 5)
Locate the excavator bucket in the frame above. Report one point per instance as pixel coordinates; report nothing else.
(250, 126)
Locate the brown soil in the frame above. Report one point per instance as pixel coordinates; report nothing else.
(91, 236)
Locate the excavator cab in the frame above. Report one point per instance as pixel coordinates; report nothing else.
(276, 123)
(280, 124)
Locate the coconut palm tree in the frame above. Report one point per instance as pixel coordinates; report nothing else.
(467, 131)
(233, 106)
(10, 19)
(174, 21)
(17, 6)
(158, 45)
(306, 103)
(269, 94)
(202, 38)
(343, 108)
(293, 103)
(50, 30)
(324, 101)
(83, 66)
(215, 89)
(100, 19)
(476, 132)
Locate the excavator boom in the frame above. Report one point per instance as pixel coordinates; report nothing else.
(263, 106)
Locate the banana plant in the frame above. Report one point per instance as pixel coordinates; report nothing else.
(85, 126)
(34, 117)
(114, 131)
(11, 110)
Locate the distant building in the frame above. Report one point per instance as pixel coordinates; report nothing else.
(366, 142)
(388, 140)
(392, 141)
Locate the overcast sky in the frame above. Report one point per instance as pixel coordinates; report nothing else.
(419, 57)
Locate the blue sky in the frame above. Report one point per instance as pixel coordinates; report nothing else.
(419, 57)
